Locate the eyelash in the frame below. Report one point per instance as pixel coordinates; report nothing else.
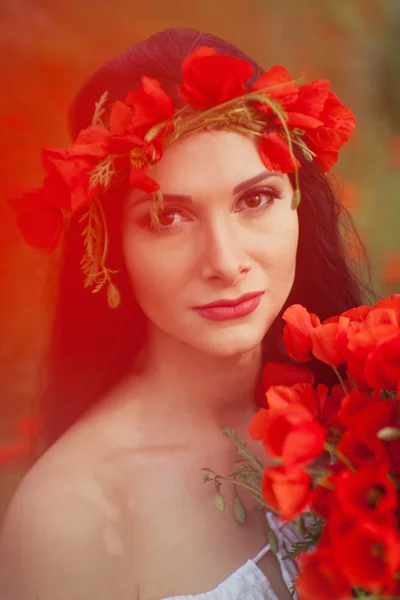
(273, 193)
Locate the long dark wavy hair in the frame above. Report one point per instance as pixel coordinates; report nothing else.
(92, 346)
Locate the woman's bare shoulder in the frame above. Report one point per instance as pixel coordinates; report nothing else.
(60, 538)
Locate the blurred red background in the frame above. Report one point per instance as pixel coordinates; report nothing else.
(49, 47)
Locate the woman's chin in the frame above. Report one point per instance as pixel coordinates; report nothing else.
(229, 343)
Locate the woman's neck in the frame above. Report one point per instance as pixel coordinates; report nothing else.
(189, 389)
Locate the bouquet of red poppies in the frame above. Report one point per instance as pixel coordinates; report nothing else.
(335, 452)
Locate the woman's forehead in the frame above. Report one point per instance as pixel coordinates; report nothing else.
(216, 159)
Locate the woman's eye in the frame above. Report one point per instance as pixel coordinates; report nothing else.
(170, 218)
(166, 218)
(259, 199)
(253, 201)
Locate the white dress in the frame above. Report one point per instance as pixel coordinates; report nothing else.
(248, 582)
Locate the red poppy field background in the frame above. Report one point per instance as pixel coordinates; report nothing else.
(49, 47)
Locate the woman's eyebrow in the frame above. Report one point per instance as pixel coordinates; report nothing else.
(188, 199)
(256, 179)
(166, 198)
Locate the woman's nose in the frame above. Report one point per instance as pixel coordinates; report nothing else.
(223, 256)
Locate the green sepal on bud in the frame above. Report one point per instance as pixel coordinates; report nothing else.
(219, 501)
(296, 199)
(113, 296)
(239, 510)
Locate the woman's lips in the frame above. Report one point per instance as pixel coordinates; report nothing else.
(224, 311)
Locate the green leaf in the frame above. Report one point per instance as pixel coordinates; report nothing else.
(300, 527)
(273, 540)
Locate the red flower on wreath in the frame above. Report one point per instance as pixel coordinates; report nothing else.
(312, 108)
(66, 187)
(150, 104)
(67, 184)
(275, 153)
(209, 78)
(121, 143)
(282, 88)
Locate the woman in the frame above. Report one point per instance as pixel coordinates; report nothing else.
(138, 394)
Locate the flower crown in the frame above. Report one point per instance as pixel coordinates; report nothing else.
(126, 138)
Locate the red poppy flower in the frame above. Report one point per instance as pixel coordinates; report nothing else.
(68, 182)
(297, 331)
(92, 141)
(40, 222)
(209, 78)
(121, 117)
(139, 180)
(258, 424)
(380, 414)
(359, 451)
(323, 500)
(329, 341)
(338, 124)
(357, 314)
(379, 325)
(312, 98)
(98, 142)
(393, 452)
(332, 405)
(320, 577)
(286, 492)
(151, 105)
(275, 153)
(278, 85)
(366, 493)
(369, 555)
(355, 370)
(304, 113)
(288, 430)
(130, 150)
(393, 303)
(382, 368)
(285, 374)
(351, 406)
(281, 397)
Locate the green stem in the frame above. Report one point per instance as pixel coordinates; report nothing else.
(333, 449)
(341, 380)
(352, 382)
(256, 495)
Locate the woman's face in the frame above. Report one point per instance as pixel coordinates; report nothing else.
(227, 230)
